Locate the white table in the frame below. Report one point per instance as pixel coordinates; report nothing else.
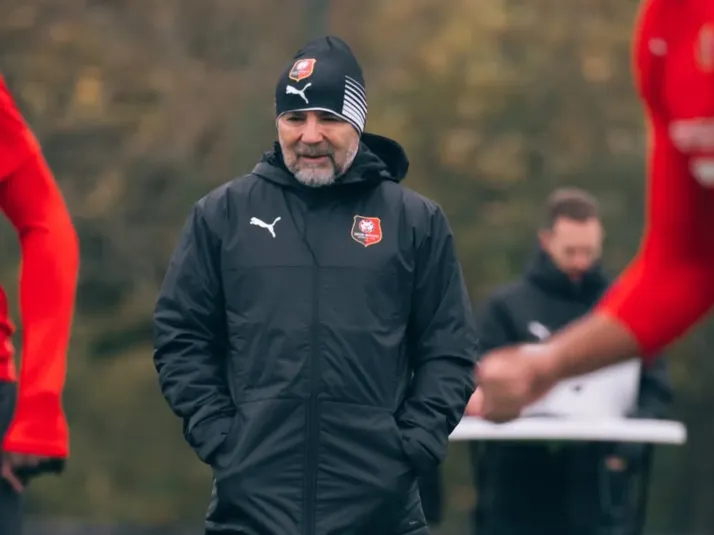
(590, 430)
(565, 429)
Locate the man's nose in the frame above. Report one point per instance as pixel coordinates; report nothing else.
(582, 263)
(312, 131)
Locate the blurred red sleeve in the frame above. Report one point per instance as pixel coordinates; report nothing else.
(32, 201)
(670, 285)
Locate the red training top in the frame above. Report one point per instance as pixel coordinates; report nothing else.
(32, 201)
(670, 285)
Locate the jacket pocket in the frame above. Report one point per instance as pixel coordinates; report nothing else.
(206, 437)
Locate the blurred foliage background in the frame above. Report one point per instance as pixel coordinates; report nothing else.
(142, 106)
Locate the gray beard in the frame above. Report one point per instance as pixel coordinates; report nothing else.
(314, 179)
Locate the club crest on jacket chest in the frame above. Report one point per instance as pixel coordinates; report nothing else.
(366, 230)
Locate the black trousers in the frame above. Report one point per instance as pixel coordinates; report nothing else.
(10, 511)
(535, 489)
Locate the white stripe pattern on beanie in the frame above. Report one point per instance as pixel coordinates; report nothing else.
(354, 106)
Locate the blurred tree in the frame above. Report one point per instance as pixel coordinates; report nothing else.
(317, 18)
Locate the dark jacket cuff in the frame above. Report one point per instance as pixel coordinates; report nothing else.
(206, 438)
(419, 449)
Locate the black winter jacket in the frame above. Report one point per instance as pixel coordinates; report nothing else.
(319, 345)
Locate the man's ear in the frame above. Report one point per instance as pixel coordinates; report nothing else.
(544, 238)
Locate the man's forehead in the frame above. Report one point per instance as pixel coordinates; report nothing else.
(567, 229)
(565, 223)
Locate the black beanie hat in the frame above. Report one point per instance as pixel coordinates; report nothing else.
(324, 75)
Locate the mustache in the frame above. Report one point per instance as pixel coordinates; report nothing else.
(314, 152)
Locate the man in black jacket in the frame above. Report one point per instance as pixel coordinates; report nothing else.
(313, 330)
(534, 488)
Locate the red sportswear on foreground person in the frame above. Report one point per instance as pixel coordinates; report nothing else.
(36, 435)
(670, 285)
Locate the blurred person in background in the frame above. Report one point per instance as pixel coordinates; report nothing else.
(313, 331)
(669, 287)
(33, 426)
(564, 488)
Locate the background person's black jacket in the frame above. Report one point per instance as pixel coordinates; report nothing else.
(290, 357)
(523, 487)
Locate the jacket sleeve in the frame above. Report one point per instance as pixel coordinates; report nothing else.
(33, 202)
(669, 287)
(17, 142)
(190, 338)
(443, 345)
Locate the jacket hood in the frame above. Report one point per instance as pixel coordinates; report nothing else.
(545, 274)
(378, 158)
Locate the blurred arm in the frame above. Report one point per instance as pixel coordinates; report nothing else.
(667, 289)
(32, 201)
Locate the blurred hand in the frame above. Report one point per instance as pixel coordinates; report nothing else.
(475, 404)
(15, 464)
(615, 463)
(509, 379)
